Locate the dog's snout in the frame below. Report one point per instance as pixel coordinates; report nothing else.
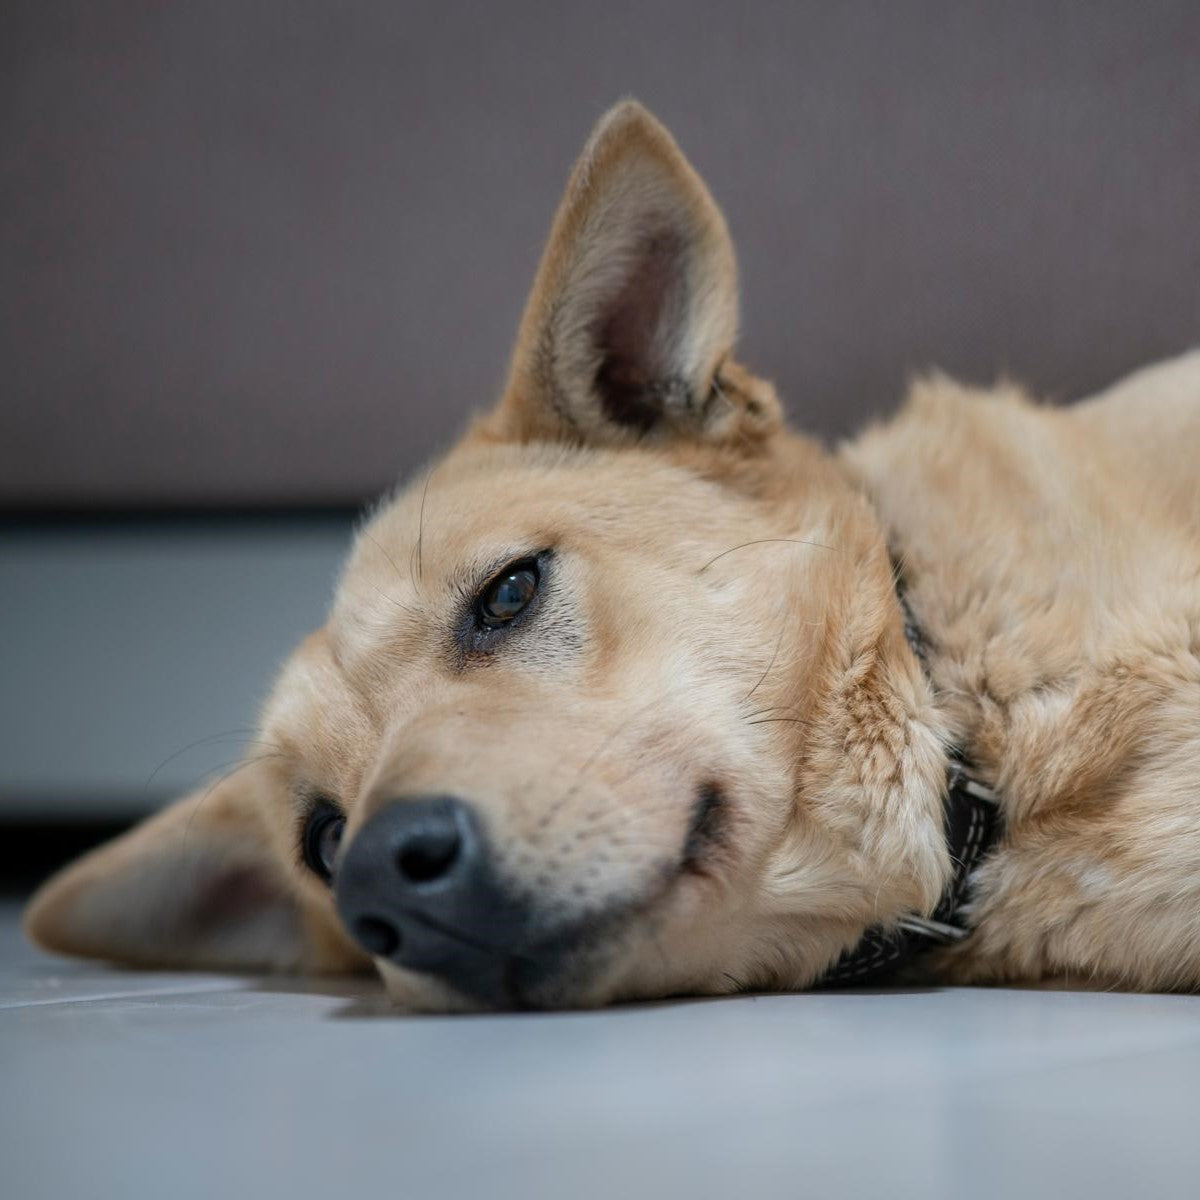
(427, 840)
(416, 886)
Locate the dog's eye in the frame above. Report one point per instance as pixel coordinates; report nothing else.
(322, 836)
(508, 594)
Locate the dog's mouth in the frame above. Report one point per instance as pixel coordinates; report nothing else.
(707, 827)
(544, 961)
(554, 971)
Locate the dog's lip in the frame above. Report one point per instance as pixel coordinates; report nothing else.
(694, 860)
(575, 949)
(704, 831)
(458, 935)
(537, 974)
(552, 971)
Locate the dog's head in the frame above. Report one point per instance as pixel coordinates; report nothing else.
(614, 701)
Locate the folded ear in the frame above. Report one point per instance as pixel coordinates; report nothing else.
(194, 886)
(633, 312)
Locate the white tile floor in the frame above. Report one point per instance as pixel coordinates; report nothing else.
(130, 1085)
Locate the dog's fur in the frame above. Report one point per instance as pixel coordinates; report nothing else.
(722, 622)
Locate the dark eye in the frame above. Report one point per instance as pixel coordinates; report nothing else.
(322, 836)
(508, 594)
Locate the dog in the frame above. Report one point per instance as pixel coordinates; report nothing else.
(636, 693)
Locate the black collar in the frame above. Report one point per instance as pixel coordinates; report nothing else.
(972, 822)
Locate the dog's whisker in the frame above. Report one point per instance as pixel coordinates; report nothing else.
(601, 821)
(591, 760)
(764, 542)
(655, 937)
(407, 609)
(773, 708)
(395, 567)
(774, 656)
(234, 735)
(239, 765)
(619, 819)
(421, 528)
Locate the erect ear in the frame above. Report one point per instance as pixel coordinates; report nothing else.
(194, 886)
(633, 314)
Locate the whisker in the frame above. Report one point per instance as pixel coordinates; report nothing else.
(655, 937)
(619, 817)
(763, 542)
(395, 567)
(421, 525)
(591, 759)
(241, 765)
(774, 656)
(408, 609)
(787, 720)
(773, 708)
(233, 735)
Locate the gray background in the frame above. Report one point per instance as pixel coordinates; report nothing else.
(134, 656)
(273, 252)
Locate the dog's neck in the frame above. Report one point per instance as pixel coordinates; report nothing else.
(972, 825)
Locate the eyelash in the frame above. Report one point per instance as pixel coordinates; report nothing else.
(476, 637)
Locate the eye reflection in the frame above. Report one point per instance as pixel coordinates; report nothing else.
(507, 594)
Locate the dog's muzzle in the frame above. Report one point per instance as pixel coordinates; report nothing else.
(417, 887)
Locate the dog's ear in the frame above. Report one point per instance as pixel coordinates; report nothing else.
(194, 886)
(628, 331)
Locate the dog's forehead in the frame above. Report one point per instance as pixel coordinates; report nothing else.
(484, 501)
(428, 551)
(422, 550)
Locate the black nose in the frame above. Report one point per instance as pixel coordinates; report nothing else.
(416, 886)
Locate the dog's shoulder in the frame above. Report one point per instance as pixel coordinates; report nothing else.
(1052, 557)
(991, 485)
(1147, 430)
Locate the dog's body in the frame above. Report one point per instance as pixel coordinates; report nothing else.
(1053, 559)
(617, 701)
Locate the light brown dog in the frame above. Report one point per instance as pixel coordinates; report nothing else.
(617, 701)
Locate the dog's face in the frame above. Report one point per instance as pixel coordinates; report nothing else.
(612, 702)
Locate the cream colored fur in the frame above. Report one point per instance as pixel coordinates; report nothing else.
(723, 612)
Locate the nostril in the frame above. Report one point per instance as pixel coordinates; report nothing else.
(377, 936)
(428, 855)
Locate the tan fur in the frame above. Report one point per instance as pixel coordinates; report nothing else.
(723, 611)
(1053, 557)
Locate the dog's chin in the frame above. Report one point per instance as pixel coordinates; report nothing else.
(573, 985)
(416, 993)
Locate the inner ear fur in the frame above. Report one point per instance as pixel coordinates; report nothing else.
(629, 329)
(198, 885)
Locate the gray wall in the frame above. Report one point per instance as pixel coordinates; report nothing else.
(273, 252)
(134, 656)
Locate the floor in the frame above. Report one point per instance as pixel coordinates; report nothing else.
(120, 1084)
